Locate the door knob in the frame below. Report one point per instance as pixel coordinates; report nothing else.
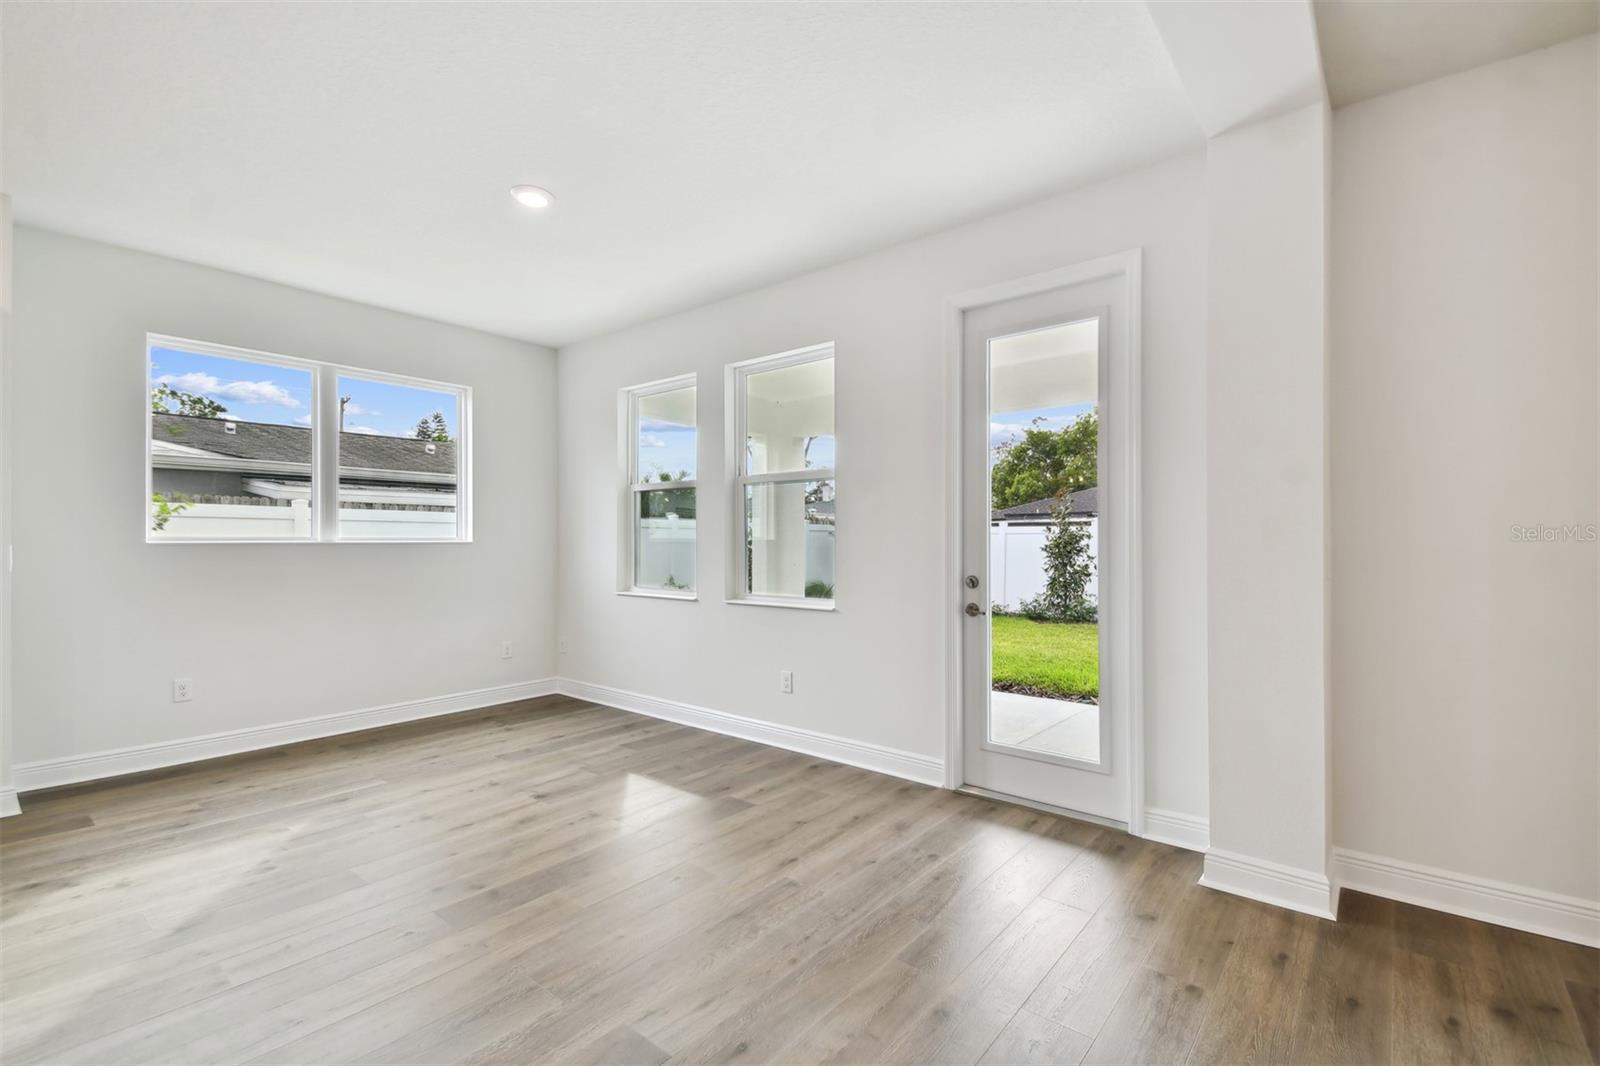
(973, 610)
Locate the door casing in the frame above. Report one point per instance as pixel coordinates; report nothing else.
(1128, 268)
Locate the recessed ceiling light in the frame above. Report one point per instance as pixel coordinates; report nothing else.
(531, 196)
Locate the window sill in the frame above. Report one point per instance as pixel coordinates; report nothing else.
(398, 540)
(307, 540)
(651, 594)
(793, 604)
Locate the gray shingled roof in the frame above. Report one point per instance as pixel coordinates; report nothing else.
(1082, 504)
(292, 444)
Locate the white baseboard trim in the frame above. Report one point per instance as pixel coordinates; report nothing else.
(1176, 828)
(74, 769)
(1517, 906)
(1270, 882)
(909, 765)
(8, 803)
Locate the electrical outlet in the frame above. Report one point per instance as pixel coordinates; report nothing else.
(786, 682)
(505, 649)
(182, 689)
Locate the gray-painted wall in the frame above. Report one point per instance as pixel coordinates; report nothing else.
(269, 633)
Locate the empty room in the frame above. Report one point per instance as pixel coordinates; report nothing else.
(641, 533)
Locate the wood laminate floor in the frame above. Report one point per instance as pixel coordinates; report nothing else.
(553, 881)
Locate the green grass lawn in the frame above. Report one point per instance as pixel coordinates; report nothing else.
(1047, 659)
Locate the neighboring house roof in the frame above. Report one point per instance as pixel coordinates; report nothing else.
(1084, 503)
(201, 443)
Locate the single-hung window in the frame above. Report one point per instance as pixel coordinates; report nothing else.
(659, 456)
(783, 478)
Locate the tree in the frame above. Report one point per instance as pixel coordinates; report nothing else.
(163, 510)
(1067, 567)
(1046, 462)
(163, 396)
(662, 503)
(433, 428)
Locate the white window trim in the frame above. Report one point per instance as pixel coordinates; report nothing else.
(628, 468)
(328, 426)
(738, 478)
(324, 444)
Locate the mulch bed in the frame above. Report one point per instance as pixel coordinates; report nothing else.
(1031, 690)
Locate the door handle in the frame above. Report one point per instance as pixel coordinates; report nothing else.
(973, 610)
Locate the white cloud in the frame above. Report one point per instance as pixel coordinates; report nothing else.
(237, 391)
(353, 408)
(1000, 432)
(364, 429)
(650, 440)
(194, 381)
(303, 420)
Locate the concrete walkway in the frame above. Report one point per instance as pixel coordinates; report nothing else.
(1060, 727)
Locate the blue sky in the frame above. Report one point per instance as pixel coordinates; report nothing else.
(822, 452)
(670, 447)
(1011, 424)
(666, 447)
(261, 392)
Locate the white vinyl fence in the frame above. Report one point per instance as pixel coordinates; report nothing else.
(292, 518)
(1016, 563)
(1016, 552)
(667, 549)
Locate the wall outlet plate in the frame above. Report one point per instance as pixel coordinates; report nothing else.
(182, 689)
(786, 681)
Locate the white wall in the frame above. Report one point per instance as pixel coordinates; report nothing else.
(269, 633)
(1464, 402)
(873, 670)
(1266, 510)
(8, 796)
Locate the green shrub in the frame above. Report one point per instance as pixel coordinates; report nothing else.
(1067, 569)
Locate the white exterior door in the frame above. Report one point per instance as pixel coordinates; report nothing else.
(1048, 708)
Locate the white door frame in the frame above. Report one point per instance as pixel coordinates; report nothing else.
(1129, 267)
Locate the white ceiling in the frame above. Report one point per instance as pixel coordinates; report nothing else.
(676, 407)
(1054, 367)
(1370, 48)
(695, 150)
(802, 381)
(1242, 60)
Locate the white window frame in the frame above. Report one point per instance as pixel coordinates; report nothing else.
(328, 413)
(324, 444)
(739, 477)
(632, 486)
